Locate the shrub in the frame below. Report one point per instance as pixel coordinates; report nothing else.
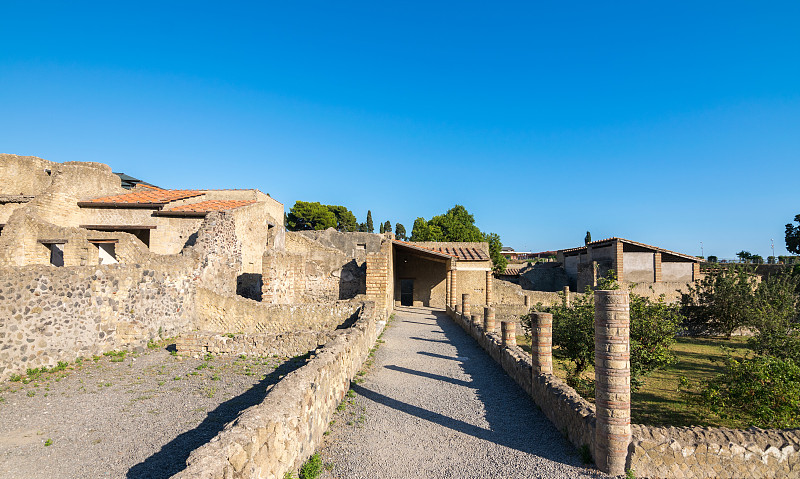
(720, 303)
(759, 390)
(312, 468)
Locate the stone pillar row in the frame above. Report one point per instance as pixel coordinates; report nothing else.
(488, 319)
(542, 343)
(508, 333)
(465, 305)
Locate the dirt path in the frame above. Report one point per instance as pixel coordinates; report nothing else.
(136, 417)
(435, 405)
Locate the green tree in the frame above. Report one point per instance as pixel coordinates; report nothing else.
(712, 259)
(499, 262)
(720, 303)
(422, 231)
(757, 259)
(744, 256)
(456, 225)
(370, 227)
(793, 236)
(382, 228)
(345, 219)
(387, 227)
(653, 325)
(588, 238)
(309, 216)
(400, 232)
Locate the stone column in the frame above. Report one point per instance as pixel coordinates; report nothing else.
(453, 288)
(488, 319)
(567, 299)
(489, 292)
(465, 305)
(612, 380)
(509, 333)
(476, 320)
(542, 343)
(448, 288)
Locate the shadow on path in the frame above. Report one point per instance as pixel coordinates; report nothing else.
(171, 459)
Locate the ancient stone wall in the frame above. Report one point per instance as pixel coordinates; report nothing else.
(199, 343)
(234, 314)
(353, 245)
(50, 314)
(696, 452)
(308, 271)
(278, 435)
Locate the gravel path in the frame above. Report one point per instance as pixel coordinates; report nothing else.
(136, 417)
(435, 405)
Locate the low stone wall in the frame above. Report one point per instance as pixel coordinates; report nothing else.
(198, 343)
(563, 406)
(234, 314)
(697, 452)
(50, 314)
(278, 435)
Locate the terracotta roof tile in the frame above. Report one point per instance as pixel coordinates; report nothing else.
(149, 195)
(463, 254)
(212, 205)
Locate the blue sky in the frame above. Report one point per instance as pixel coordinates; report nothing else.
(670, 123)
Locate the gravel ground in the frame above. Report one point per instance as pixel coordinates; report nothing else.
(434, 405)
(138, 416)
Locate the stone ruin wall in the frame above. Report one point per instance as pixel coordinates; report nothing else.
(308, 271)
(278, 435)
(50, 314)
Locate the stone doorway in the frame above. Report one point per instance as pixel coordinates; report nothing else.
(407, 292)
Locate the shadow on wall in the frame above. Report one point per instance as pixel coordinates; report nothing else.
(352, 280)
(248, 285)
(171, 459)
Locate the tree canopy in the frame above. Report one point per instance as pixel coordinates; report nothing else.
(345, 219)
(370, 228)
(458, 225)
(793, 236)
(310, 216)
(400, 232)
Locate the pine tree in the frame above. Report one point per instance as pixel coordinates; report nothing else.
(400, 232)
(370, 226)
(387, 227)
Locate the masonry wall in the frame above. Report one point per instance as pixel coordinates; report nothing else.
(278, 435)
(50, 314)
(676, 272)
(638, 267)
(308, 271)
(234, 314)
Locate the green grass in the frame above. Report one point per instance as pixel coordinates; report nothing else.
(658, 402)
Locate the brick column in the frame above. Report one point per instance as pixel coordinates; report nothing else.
(612, 380)
(453, 288)
(618, 261)
(542, 343)
(657, 267)
(378, 280)
(567, 299)
(465, 304)
(476, 320)
(448, 288)
(695, 271)
(488, 319)
(489, 286)
(509, 333)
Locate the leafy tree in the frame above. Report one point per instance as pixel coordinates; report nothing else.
(770, 260)
(387, 227)
(499, 262)
(345, 219)
(456, 225)
(370, 228)
(721, 302)
(757, 259)
(652, 332)
(423, 231)
(309, 216)
(793, 236)
(588, 238)
(400, 232)
(712, 259)
(744, 256)
(775, 316)
(382, 228)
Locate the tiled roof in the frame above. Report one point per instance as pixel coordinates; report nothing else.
(643, 245)
(511, 271)
(212, 205)
(149, 196)
(463, 254)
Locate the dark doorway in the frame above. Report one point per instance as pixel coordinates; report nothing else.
(407, 292)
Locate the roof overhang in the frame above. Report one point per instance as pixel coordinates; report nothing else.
(423, 252)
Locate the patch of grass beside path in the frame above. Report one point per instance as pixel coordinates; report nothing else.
(658, 402)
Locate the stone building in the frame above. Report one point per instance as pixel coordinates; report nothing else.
(632, 262)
